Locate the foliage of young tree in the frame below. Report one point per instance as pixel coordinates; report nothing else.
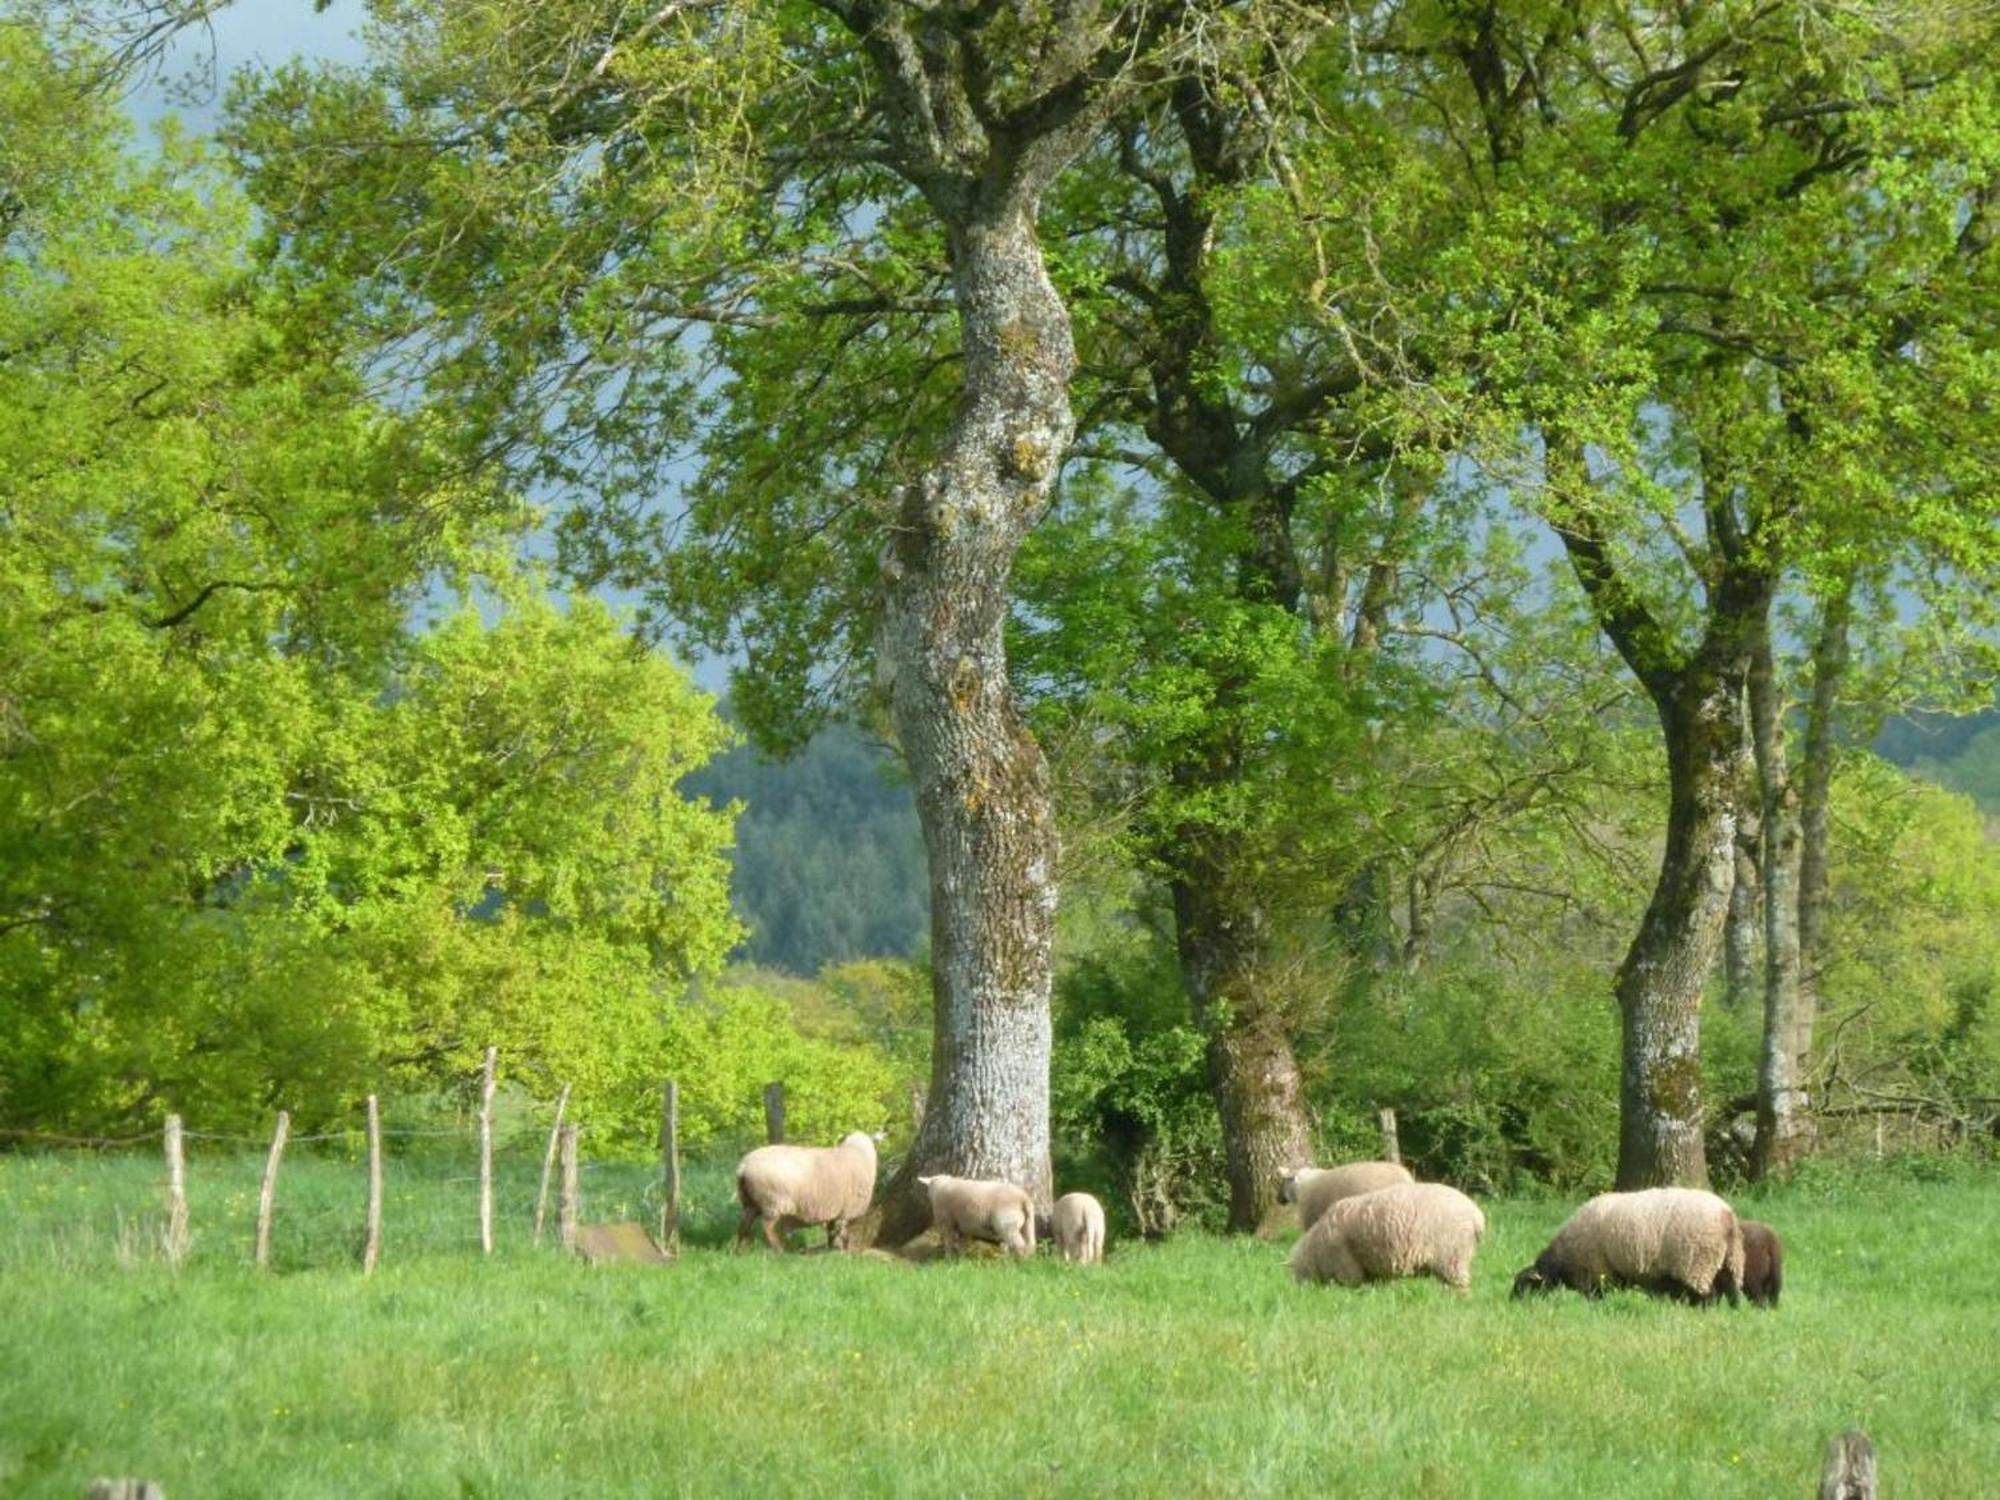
(265, 842)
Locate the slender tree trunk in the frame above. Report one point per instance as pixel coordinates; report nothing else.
(1783, 1120)
(1739, 938)
(1223, 943)
(1786, 1127)
(982, 786)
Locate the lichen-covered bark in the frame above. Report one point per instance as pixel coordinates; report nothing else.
(1739, 933)
(982, 786)
(1223, 943)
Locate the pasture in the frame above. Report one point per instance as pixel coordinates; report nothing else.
(1194, 1367)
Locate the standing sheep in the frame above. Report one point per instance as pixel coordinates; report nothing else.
(790, 1185)
(1763, 1263)
(1408, 1229)
(1077, 1226)
(1678, 1242)
(965, 1208)
(1316, 1189)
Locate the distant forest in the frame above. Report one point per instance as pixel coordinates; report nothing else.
(830, 861)
(829, 857)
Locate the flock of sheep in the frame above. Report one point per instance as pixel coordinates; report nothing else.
(1365, 1221)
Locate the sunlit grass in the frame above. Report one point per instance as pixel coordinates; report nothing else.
(1195, 1367)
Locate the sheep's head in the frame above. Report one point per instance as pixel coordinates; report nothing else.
(1288, 1185)
(1535, 1278)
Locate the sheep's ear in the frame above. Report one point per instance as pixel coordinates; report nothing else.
(879, 1136)
(924, 1182)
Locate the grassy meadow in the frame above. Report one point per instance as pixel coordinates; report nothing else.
(1195, 1367)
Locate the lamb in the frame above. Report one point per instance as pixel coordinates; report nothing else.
(1763, 1263)
(966, 1208)
(1406, 1229)
(1678, 1242)
(1078, 1228)
(790, 1185)
(1316, 1189)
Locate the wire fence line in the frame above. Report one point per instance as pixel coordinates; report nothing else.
(79, 1199)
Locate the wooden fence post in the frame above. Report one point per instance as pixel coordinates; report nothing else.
(175, 1241)
(774, 1112)
(124, 1489)
(371, 1247)
(486, 1153)
(267, 1195)
(670, 1168)
(1392, 1148)
(1848, 1472)
(549, 1162)
(571, 1204)
(919, 1096)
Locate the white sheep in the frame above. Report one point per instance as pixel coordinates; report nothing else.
(967, 1208)
(1077, 1224)
(1406, 1229)
(1678, 1242)
(1316, 1189)
(791, 1185)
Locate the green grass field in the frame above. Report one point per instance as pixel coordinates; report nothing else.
(1191, 1368)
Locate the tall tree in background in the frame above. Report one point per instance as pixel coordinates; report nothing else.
(1678, 206)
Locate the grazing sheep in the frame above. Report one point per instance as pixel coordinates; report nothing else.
(790, 1185)
(1078, 1228)
(1316, 1189)
(1407, 1229)
(965, 1208)
(1677, 1242)
(1763, 1263)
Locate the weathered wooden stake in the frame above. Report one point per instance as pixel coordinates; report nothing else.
(1849, 1470)
(670, 1168)
(124, 1489)
(549, 1162)
(486, 1153)
(917, 1100)
(371, 1247)
(175, 1240)
(571, 1203)
(1392, 1148)
(774, 1113)
(267, 1195)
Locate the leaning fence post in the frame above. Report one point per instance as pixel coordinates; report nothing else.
(1392, 1149)
(267, 1195)
(670, 1168)
(549, 1163)
(486, 1154)
(371, 1247)
(774, 1112)
(572, 1193)
(1848, 1472)
(176, 1238)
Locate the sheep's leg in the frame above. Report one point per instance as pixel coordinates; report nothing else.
(771, 1234)
(744, 1226)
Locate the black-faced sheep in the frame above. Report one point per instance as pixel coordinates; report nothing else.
(1317, 1189)
(1077, 1226)
(1763, 1263)
(1677, 1242)
(965, 1208)
(790, 1185)
(1407, 1229)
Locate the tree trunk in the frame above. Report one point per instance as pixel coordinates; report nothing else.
(1783, 1120)
(1661, 981)
(982, 786)
(1739, 936)
(1222, 942)
(1786, 1129)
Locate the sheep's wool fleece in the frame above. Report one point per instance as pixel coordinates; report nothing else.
(1078, 1225)
(998, 1212)
(812, 1184)
(1682, 1233)
(1410, 1229)
(1318, 1191)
